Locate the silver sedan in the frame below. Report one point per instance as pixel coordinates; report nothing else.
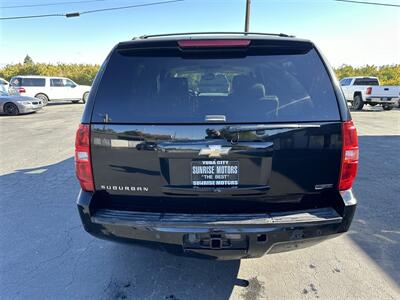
(16, 104)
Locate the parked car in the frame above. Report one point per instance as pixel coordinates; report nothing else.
(49, 88)
(265, 168)
(16, 104)
(3, 88)
(367, 90)
(4, 82)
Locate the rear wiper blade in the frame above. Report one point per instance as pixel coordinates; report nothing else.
(269, 126)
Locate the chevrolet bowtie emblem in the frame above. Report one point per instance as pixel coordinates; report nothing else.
(215, 151)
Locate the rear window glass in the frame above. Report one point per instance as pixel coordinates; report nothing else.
(15, 81)
(250, 89)
(28, 81)
(366, 81)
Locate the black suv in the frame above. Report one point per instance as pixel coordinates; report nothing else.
(261, 163)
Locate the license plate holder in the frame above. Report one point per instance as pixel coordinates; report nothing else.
(215, 172)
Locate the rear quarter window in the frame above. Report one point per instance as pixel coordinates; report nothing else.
(33, 82)
(250, 89)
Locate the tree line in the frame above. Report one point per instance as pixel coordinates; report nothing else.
(388, 75)
(80, 73)
(85, 73)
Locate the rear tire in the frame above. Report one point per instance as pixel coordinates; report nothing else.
(43, 98)
(387, 107)
(10, 109)
(358, 103)
(85, 97)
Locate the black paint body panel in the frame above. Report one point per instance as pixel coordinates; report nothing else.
(142, 174)
(290, 162)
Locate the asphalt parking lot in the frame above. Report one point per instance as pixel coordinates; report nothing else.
(45, 253)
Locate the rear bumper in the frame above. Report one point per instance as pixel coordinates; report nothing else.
(382, 100)
(219, 236)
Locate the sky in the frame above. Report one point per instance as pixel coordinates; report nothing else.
(352, 34)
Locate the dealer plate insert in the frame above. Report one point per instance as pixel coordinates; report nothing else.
(215, 172)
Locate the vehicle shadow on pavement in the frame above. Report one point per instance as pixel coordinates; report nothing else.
(368, 108)
(376, 225)
(60, 103)
(3, 115)
(46, 254)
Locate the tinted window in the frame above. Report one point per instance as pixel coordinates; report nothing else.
(366, 81)
(345, 82)
(69, 83)
(15, 81)
(56, 82)
(33, 82)
(259, 88)
(213, 83)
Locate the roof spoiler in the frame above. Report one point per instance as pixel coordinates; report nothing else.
(212, 33)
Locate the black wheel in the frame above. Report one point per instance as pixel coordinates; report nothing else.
(372, 104)
(11, 109)
(387, 107)
(43, 98)
(358, 103)
(75, 101)
(85, 97)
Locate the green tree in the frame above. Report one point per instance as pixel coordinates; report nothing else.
(28, 60)
(80, 73)
(85, 73)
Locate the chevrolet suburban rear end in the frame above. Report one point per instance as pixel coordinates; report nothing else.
(260, 161)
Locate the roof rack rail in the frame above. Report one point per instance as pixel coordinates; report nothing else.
(212, 32)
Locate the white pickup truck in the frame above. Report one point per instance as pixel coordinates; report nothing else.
(367, 90)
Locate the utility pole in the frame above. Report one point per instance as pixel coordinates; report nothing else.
(247, 21)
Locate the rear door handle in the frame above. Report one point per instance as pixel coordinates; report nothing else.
(190, 147)
(199, 146)
(254, 190)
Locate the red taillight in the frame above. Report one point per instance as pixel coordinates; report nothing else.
(21, 90)
(213, 43)
(350, 154)
(369, 90)
(83, 164)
